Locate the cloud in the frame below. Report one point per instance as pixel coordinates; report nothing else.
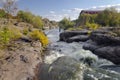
(54, 17)
(52, 12)
(105, 6)
(58, 17)
(76, 9)
(74, 12)
(65, 10)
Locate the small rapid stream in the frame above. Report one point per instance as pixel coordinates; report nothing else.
(69, 61)
(74, 50)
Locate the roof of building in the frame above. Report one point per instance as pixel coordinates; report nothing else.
(90, 11)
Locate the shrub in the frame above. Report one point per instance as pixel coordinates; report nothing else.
(2, 13)
(28, 17)
(7, 34)
(77, 28)
(39, 35)
(4, 35)
(25, 31)
(15, 33)
(92, 26)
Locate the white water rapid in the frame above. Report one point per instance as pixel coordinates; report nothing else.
(58, 49)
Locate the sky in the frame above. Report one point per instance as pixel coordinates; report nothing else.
(58, 9)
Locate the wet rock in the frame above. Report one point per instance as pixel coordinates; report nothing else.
(78, 38)
(68, 34)
(115, 68)
(90, 45)
(104, 38)
(110, 53)
(64, 68)
(100, 74)
(105, 44)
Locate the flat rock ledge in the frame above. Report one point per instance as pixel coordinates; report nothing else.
(20, 60)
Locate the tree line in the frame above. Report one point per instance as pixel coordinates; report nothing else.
(109, 17)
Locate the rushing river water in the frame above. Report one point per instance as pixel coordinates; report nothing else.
(74, 50)
(69, 61)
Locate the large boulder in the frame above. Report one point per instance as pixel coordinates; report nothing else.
(108, 35)
(68, 34)
(111, 53)
(64, 68)
(92, 46)
(104, 38)
(105, 43)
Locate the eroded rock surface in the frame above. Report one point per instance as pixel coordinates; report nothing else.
(105, 43)
(20, 60)
(74, 36)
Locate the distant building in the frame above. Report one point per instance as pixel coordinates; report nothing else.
(90, 12)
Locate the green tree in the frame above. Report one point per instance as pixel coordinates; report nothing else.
(37, 22)
(109, 17)
(66, 23)
(86, 18)
(2, 13)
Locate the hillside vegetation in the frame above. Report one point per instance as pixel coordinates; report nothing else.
(24, 24)
(106, 18)
(22, 41)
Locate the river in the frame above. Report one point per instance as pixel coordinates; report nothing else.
(75, 50)
(56, 67)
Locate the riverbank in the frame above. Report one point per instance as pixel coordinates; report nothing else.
(20, 60)
(21, 50)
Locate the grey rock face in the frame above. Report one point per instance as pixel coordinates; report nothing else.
(74, 36)
(104, 38)
(104, 44)
(109, 52)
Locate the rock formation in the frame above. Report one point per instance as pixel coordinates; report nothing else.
(105, 43)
